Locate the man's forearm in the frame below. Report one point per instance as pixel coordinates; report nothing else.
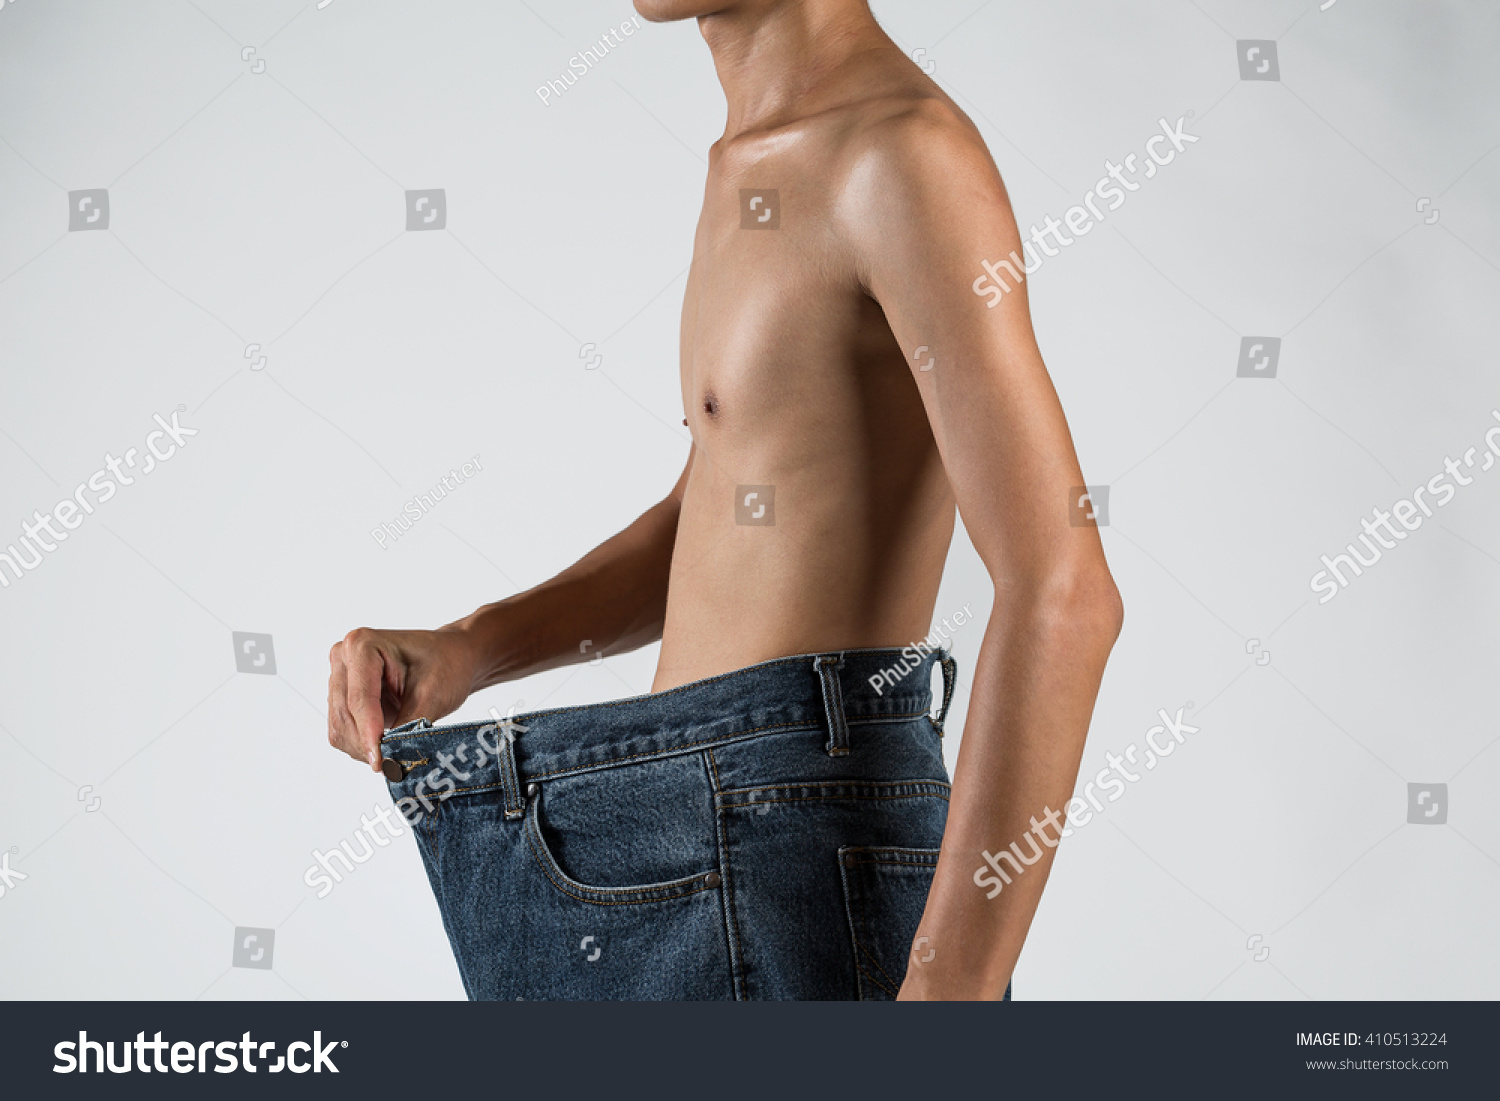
(1033, 695)
(614, 599)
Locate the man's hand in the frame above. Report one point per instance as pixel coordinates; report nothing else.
(615, 596)
(381, 679)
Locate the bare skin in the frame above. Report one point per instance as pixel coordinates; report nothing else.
(799, 371)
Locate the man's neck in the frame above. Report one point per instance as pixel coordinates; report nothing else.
(771, 56)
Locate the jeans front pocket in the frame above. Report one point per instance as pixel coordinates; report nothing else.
(885, 892)
(633, 833)
(607, 887)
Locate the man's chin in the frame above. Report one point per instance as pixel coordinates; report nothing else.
(674, 11)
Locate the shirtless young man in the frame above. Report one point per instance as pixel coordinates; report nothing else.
(767, 823)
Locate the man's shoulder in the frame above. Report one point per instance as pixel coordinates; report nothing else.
(912, 156)
(907, 130)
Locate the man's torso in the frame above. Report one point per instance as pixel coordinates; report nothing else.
(817, 515)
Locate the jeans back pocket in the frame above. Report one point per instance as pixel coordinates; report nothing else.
(885, 892)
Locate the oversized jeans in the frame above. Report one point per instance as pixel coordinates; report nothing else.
(770, 833)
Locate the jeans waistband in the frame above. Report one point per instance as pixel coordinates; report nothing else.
(833, 691)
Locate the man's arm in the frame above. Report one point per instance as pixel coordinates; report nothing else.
(923, 206)
(615, 597)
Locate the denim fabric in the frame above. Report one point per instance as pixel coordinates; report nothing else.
(766, 834)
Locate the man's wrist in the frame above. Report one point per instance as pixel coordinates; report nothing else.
(485, 643)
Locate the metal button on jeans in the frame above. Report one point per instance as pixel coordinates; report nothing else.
(393, 770)
(531, 791)
(712, 880)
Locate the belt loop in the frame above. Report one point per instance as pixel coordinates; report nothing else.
(950, 678)
(827, 667)
(510, 779)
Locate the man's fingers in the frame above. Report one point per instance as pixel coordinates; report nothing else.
(366, 670)
(342, 733)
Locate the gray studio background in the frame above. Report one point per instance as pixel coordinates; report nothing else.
(256, 158)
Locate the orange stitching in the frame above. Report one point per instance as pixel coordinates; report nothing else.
(807, 724)
(846, 783)
(888, 855)
(836, 798)
(900, 863)
(876, 962)
(873, 979)
(727, 879)
(684, 747)
(709, 741)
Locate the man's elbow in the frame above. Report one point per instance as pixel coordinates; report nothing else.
(1078, 600)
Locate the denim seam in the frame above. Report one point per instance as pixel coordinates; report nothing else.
(873, 981)
(833, 799)
(788, 786)
(687, 747)
(859, 720)
(895, 987)
(433, 841)
(918, 789)
(882, 719)
(859, 970)
(656, 892)
(892, 856)
(731, 913)
(865, 855)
